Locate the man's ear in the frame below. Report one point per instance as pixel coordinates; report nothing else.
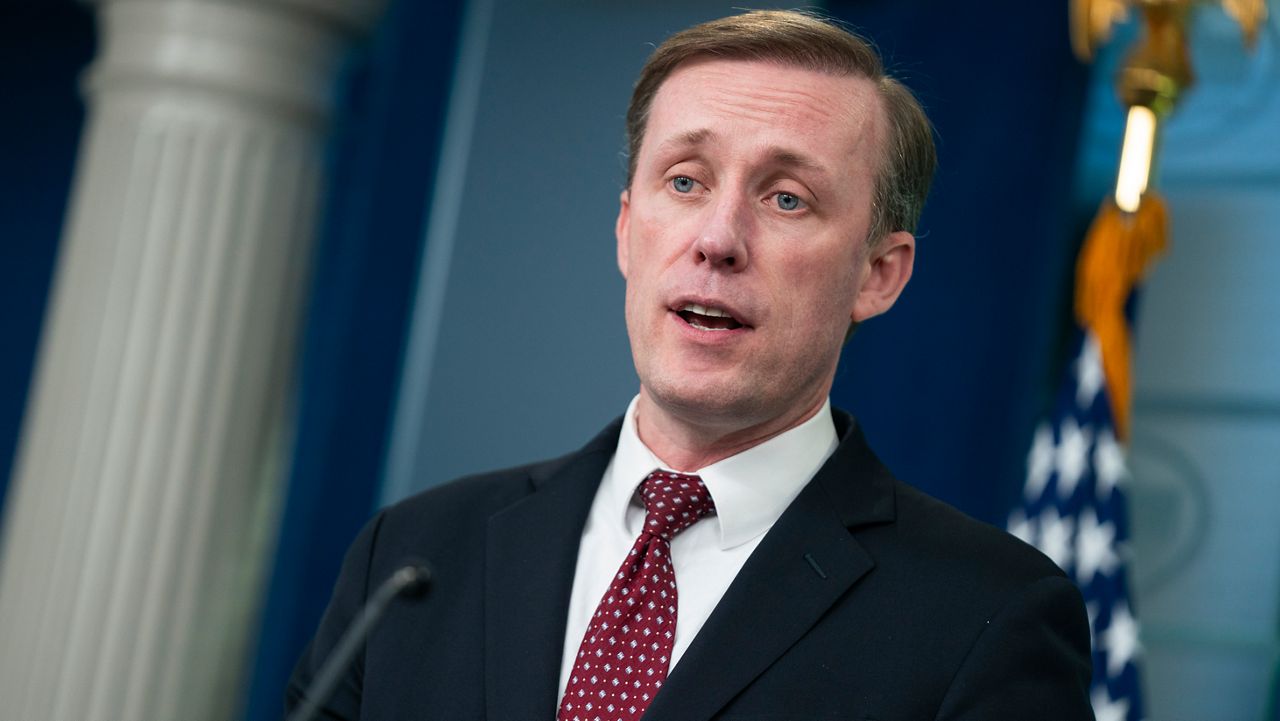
(621, 228)
(886, 272)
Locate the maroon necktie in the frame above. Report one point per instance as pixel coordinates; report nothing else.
(626, 651)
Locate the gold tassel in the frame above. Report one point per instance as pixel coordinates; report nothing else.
(1116, 256)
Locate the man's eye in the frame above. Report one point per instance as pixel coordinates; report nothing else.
(682, 184)
(787, 201)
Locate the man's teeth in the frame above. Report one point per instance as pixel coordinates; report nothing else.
(708, 318)
(704, 310)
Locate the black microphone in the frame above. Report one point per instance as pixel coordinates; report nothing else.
(411, 581)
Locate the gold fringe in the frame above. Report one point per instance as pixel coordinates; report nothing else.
(1117, 253)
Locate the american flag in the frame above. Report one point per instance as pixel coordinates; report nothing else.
(1073, 509)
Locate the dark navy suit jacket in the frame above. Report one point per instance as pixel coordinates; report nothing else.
(866, 600)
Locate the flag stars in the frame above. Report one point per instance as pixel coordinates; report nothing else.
(1022, 527)
(1056, 536)
(1040, 462)
(1072, 456)
(1107, 709)
(1089, 375)
(1108, 464)
(1095, 547)
(1080, 523)
(1120, 640)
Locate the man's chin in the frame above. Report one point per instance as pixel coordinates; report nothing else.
(709, 402)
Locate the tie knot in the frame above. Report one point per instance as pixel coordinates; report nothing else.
(673, 502)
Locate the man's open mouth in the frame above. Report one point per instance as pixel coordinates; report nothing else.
(707, 318)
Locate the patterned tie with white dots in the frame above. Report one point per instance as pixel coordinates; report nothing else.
(626, 651)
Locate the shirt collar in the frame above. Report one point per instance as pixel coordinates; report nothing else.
(751, 489)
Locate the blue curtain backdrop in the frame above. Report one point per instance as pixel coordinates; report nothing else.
(950, 390)
(382, 161)
(44, 47)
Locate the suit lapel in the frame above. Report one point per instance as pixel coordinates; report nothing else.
(531, 553)
(807, 561)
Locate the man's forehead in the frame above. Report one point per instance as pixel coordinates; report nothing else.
(728, 69)
(781, 155)
(790, 99)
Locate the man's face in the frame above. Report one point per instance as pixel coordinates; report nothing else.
(742, 238)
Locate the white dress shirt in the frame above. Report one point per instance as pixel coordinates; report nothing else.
(750, 490)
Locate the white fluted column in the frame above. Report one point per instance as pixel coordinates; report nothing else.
(144, 497)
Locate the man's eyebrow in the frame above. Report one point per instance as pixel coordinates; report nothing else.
(779, 155)
(782, 156)
(688, 139)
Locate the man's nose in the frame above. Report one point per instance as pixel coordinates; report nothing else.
(722, 240)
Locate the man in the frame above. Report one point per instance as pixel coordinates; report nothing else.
(776, 569)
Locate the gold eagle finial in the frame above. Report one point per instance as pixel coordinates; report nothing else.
(1092, 20)
(1251, 14)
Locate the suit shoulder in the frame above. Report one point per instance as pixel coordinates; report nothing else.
(481, 493)
(492, 490)
(446, 525)
(959, 546)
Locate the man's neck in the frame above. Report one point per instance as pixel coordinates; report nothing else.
(689, 444)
